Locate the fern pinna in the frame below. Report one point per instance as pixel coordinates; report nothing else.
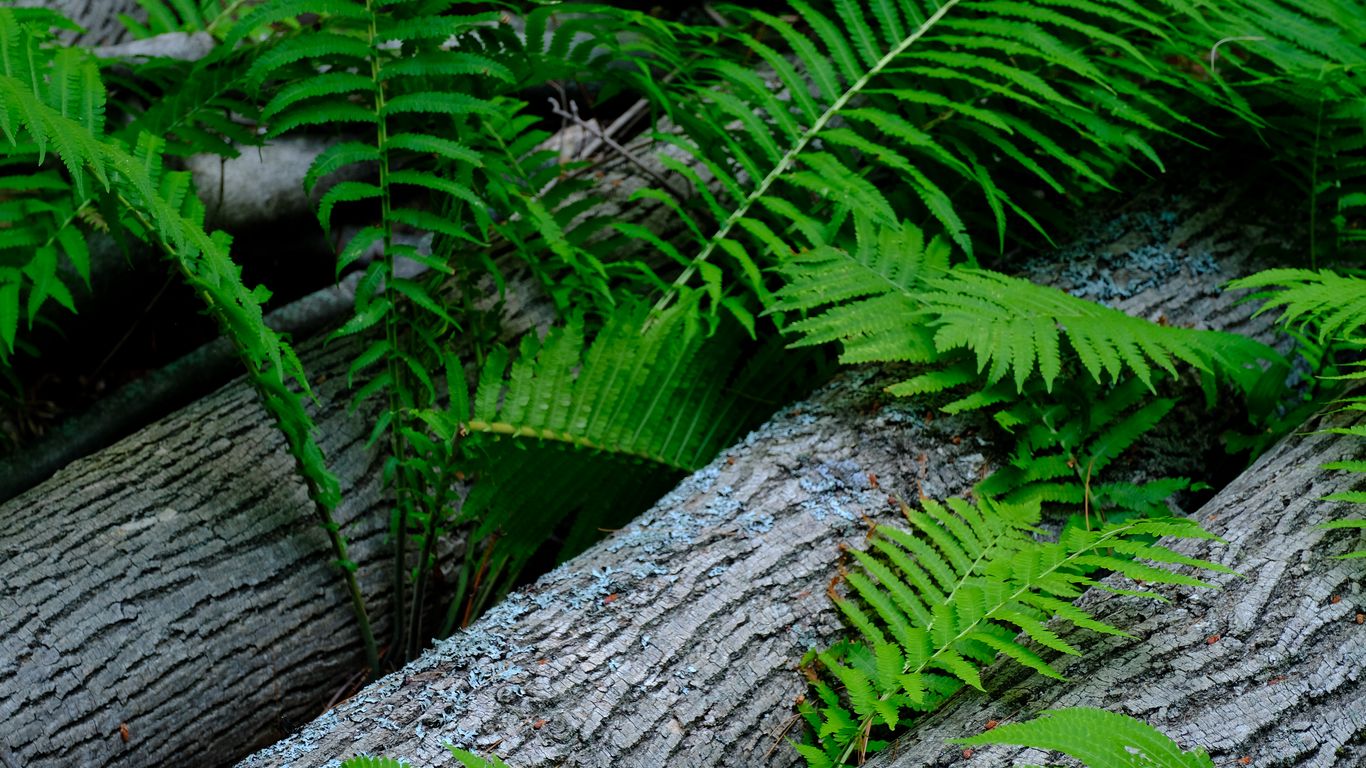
(935, 603)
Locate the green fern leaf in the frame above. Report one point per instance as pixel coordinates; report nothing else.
(1099, 739)
(963, 585)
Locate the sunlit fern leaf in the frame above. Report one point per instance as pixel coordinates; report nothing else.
(1099, 739)
(1015, 327)
(964, 584)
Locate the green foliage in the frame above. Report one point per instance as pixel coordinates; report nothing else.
(471, 760)
(1099, 739)
(366, 761)
(451, 154)
(1297, 66)
(51, 100)
(1329, 309)
(165, 16)
(943, 125)
(934, 604)
(898, 109)
(1062, 446)
(569, 431)
(893, 297)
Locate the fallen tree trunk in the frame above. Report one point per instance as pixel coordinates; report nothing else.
(674, 642)
(1267, 667)
(170, 599)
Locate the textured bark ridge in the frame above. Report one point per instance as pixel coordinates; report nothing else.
(1267, 667)
(674, 642)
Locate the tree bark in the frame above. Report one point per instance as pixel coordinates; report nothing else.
(175, 584)
(1266, 667)
(675, 641)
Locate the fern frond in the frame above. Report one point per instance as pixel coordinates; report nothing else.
(471, 760)
(1099, 739)
(892, 298)
(1330, 308)
(935, 603)
(367, 761)
(892, 108)
(574, 431)
(1333, 304)
(162, 210)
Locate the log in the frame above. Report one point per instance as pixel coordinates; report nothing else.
(174, 586)
(675, 640)
(1267, 667)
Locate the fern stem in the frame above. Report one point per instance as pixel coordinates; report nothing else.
(317, 495)
(397, 445)
(786, 161)
(428, 552)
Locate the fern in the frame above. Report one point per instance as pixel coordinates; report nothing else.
(894, 298)
(454, 158)
(594, 429)
(1063, 445)
(1331, 309)
(196, 107)
(165, 16)
(471, 760)
(893, 108)
(1296, 67)
(934, 604)
(1099, 739)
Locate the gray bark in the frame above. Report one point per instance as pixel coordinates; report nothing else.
(675, 641)
(1266, 667)
(175, 583)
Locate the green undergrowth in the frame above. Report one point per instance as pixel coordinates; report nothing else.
(831, 176)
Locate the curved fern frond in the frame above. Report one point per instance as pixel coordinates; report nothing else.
(162, 209)
(570, 430)
(1332, 309)
(935, 603)
(1099, 739)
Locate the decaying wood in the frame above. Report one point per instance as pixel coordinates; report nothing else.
(674, 642)
(1267, 667)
